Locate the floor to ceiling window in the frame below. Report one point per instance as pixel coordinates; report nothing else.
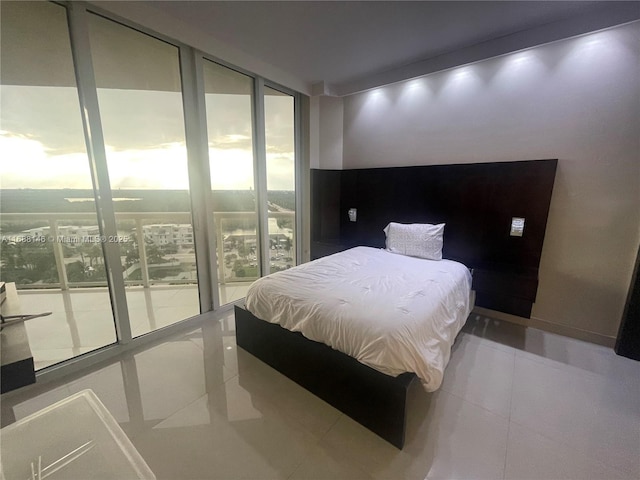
(229, 106)
(93, 151)
(139, 93)
(281, 177)
(49, 229)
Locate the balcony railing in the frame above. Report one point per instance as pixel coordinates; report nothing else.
(229, 242)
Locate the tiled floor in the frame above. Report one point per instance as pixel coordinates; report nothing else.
(516, 403)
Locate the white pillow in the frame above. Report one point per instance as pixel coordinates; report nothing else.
(421, 240)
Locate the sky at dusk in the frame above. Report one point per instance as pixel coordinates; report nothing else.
(42, 141)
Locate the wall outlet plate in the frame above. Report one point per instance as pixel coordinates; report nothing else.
(517, 227)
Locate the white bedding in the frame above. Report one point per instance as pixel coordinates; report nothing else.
(391, 312)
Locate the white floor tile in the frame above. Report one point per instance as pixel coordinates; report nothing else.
(480, 374)
(554, 349)
(449, 438)
(595, 415)
(171, 376)
(314, 414)
(324, 464)
(530, 456)
(229, 433)
(108, 385)
(23, 407)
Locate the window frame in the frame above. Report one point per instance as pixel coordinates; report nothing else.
(194, 108)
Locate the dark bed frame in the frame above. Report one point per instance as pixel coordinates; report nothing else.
(371, 398)
(476, 201)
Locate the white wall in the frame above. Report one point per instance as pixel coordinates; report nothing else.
(577, 100)
(330, 132)
(314, 132)
(327, 132)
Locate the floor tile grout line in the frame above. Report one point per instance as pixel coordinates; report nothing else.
(506, 452)
(335, 422)
(508, 418)
(357, 463)
(270, 400)
(512, 355)
(179, 410)
(469, 402)
(506, 449)
(302, 460)
(474, 404)
(205, 393)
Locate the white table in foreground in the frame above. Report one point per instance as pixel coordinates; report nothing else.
(76, 438)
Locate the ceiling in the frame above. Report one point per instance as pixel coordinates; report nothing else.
(339, 43)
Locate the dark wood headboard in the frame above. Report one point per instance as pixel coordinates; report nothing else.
(476, 201)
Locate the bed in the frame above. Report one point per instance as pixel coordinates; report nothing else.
(358, 327)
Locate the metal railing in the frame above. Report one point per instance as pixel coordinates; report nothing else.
(140, 220)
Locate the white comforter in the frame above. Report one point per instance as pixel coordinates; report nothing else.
(391, 312)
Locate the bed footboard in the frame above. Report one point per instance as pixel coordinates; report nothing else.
(371, 398)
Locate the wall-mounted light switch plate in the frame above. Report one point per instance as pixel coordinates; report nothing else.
(517, 226)
(353, 214)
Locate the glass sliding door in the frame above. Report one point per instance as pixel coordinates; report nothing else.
(281, 178)
(229, 104)
(53, 236)
(140, 100)
(51, 246)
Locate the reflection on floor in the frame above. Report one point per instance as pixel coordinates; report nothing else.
(516, 403)
(82, 319)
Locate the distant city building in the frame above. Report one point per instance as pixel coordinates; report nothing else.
(78, 233)
(248, 239)
(27, 236)
(33, 233)
(166, 233)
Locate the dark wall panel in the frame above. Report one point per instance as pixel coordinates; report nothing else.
(325, 201)
(476, 201)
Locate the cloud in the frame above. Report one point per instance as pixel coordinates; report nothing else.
(162, 168)
(26, 163)
(50, 115)
(232, 142)
(42, 139)
(280, 172)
